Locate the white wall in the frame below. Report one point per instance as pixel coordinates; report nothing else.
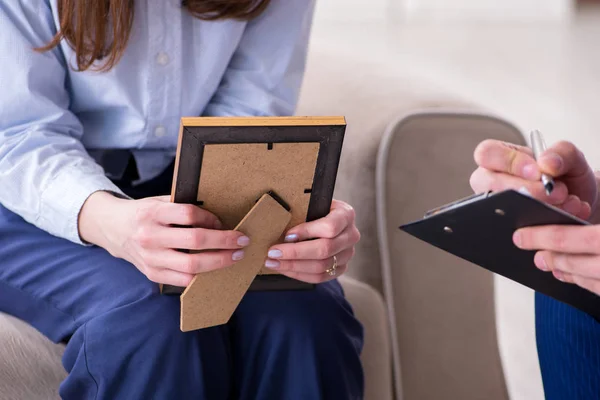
(500, 10)
(352, 10)
(443, 10)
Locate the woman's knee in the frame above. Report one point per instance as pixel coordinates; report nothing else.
(321, 313)
(142, 340)
(151, 321)
(148, 332)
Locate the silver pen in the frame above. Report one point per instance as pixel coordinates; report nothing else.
(539, 146)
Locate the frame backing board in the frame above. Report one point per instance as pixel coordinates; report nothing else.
(230, 189)
(212, 297)
(222, 161)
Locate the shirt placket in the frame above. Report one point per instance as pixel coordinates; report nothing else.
(164, 19)
(164, 87)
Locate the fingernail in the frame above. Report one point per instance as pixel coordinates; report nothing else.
(272, 264)
(559, 275)
(275, 254)
(572, 205)
(218, 224)
(238, 255)
(291, 238)
(541, 264)
(243, 241)
(530, 171)
(553, 161)
(517, 239)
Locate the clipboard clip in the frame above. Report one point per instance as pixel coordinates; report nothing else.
(458, 203)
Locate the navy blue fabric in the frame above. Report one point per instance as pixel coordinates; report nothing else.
(568, 342)
(123, 338)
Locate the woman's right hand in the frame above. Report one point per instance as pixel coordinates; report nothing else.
(504, 166)
(148, 232)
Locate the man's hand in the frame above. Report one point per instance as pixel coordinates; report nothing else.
(570, 253)
(504, 166)
(311, 246)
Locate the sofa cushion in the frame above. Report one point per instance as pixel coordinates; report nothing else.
(30, 364)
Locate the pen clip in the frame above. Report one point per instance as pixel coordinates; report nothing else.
(538, 145)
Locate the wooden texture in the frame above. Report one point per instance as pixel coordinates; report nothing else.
(212, 297)
(230, 189)
(262, 121)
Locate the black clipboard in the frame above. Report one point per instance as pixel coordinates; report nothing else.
(480, 228)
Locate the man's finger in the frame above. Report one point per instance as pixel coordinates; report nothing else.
(483, 180)
(585, 266)
(564, 158)
(561, 239)
(590, 284)
(508, 158)
(573, 205)
(586, 211)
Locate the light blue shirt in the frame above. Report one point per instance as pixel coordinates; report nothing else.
(58, 126)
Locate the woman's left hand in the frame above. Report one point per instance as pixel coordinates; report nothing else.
(570, 253)
(313, 248)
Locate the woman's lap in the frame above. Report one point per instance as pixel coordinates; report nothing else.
(113, 318)
(282, 334)
(111, 314)
(66, 279)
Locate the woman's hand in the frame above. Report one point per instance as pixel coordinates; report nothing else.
(147, 233)
(312, 246)
(571, 253)
(507, 166)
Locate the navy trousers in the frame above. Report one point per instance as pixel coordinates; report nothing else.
(123, 338)
(568, 342)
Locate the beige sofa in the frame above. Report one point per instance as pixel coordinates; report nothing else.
(30, 365)
(435, 335)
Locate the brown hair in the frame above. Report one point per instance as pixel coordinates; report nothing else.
(99, 29)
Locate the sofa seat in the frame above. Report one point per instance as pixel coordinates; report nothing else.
(30, 364)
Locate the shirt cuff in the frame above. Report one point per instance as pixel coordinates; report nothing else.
(64, 197)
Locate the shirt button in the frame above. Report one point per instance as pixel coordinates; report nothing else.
(160, 131)
(162, 58)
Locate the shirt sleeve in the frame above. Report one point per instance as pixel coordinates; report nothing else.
(45, 173)
(265, 73)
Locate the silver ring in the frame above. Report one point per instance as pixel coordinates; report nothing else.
(332, 271)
